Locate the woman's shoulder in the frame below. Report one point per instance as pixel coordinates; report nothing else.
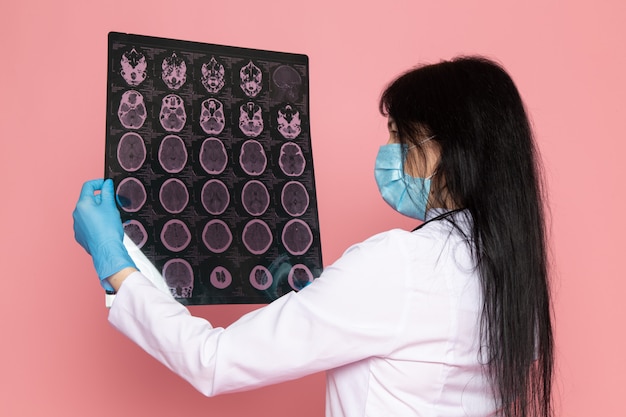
(424, 244)
(388, 239)
(390, 245)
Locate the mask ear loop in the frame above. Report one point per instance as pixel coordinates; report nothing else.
(420, 143)
(431, 175)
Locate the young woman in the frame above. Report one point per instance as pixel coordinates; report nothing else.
(450, 319)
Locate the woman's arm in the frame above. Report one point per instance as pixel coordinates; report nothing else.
(119, 277)
(340, 318)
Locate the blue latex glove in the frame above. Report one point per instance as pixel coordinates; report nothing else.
(98, 229)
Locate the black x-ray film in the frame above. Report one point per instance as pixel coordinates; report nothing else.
(209, 148)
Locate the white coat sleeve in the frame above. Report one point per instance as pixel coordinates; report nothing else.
(344, 316)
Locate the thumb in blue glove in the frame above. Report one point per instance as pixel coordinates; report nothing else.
(98, 229)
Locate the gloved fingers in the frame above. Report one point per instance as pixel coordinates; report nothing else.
(96, 216)
(107, 193)
(89, 189)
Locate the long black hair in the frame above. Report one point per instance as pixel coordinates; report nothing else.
(490, 167)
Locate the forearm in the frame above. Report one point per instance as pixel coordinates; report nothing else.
(118, 278)
(165, 329)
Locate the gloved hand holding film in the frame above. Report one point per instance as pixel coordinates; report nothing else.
(98, 229)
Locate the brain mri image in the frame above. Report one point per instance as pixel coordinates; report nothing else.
(209, 148)
(131, 152)
(213, 76)
(175, 235)
(255, 197)
(174, 72)
(297, 237)
(173, 195)
(172, 115)
(299, 277)
(217, 236)
(178, 277)
(251, 78)
(215, 197)
(134, 67)
(132, 110)
(294, 198)
(261, 278)
(288, 121)
(257, 236)
(251, 119)
(212, 119)
(172, 154)
(291, 160)
(221, 277)
(131, 194)
(213, 157)
(252, 157)
(288, 83)
(136, 232)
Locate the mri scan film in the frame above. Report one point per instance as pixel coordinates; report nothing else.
(209, 148)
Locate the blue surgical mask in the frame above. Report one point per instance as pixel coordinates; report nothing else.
(406, 194)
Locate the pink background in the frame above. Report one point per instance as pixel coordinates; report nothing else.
(60, 357)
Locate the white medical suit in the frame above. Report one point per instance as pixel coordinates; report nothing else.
(394, 322)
